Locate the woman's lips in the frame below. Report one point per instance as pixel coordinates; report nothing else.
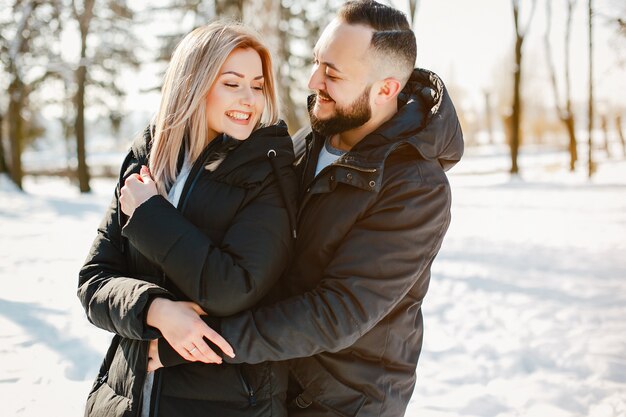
(239, 117)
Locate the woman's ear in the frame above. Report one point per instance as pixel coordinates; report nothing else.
(387, 90)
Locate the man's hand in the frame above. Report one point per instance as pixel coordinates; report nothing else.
(182, 327)
(136, 190)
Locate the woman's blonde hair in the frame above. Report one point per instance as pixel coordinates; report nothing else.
(194, 67)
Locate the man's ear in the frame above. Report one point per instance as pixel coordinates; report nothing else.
(386, 90)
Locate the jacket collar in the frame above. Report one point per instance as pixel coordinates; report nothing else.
(255, 147)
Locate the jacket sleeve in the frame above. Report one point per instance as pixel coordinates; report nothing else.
(112, 298)
(223, 279)
(362, 284)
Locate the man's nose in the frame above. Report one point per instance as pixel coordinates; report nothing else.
(316, 81)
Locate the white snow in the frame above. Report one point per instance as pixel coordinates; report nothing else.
(525, 316)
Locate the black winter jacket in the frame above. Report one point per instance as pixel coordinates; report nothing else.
(224, 247)
(369, 228)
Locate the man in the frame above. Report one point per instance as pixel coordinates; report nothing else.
(374, 209)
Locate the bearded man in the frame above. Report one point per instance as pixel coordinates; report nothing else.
(374, 209)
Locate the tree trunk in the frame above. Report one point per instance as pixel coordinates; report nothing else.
(620, 133)
(413, 4)
(571, 131)
(229, 9)
(79, 128)
(604, 124)
(488, 119)
(517, 105)
(16, 129)
(4, 169)
(288, 106)
(590, 164)
(569, 114)
(84, 20)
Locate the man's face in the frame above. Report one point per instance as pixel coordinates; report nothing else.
(341, 78)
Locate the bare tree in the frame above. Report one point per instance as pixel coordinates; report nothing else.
(590, 164)
(413, 5)
(604, 125)
(620, 133)
(520, 34)
(488, 116)
(4, 169)
(83, 13)
(230, 8)
(24, 56)
(566, 115)
(98, 68)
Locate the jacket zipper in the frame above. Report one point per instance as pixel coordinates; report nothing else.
(369, 170)
(101, 380)
(181, 206)
(246, 386)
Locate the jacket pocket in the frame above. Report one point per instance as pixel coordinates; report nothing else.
(247, 387)
(322, 388)
(104, 402)
(103, 373)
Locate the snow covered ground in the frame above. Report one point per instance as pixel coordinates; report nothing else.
(525, 316)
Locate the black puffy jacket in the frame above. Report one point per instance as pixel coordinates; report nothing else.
(369, 228)
(225, 245)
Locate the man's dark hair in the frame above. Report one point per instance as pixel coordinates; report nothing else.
(393, 38)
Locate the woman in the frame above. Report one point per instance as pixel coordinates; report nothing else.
(201, 224)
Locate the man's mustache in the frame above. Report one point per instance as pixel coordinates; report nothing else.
(324, 95)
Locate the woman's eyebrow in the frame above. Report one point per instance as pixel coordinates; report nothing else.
(241, 75)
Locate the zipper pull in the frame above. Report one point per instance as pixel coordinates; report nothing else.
(252, 398)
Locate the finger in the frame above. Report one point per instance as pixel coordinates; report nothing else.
(124, 205)
(184, 353)
(209, 356)
(200, 356)
(153, 348)
(154, 364)
(132, 178)
(199, 311)
(221, 343)
(145, 173)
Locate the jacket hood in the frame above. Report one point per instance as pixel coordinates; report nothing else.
(426, 119)
(260, 142)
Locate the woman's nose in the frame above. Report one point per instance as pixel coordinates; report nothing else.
(248, 97)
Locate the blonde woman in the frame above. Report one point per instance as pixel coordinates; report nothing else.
(201, 221)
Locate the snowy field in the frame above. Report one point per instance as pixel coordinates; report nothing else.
(525, 316)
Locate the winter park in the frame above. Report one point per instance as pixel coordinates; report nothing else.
(525, 313)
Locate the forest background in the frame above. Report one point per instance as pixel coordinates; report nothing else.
(84, 75)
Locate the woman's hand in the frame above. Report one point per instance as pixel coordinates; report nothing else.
(154, 361)
(181, 325)
(136, 190)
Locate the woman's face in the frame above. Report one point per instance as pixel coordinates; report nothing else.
(236, 100)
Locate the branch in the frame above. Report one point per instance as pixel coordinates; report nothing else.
(548, 50)
(515, 4)
(530, 18)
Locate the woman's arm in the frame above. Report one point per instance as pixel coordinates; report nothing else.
(134, 308)
(112, 298)
(226, 279)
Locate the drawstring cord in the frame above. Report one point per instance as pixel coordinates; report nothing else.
(271, 154)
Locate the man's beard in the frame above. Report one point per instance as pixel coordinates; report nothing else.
(345, 118)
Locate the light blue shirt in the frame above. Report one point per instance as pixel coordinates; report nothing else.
(328, 155)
